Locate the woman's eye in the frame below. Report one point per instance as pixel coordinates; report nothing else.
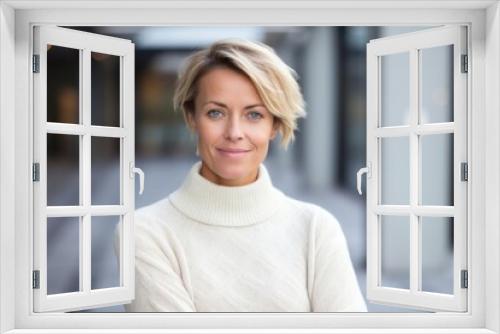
(255, 115)
(214, 113)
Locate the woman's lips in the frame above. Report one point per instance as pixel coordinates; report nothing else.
(232, 153)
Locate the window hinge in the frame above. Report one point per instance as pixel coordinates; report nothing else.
(465, 279)
(36, 63)
(36, 172)
(464, 171)
(465, 64)
(36, 279)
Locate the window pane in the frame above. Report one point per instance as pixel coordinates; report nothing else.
(395, 170)
(437, 169)
(105, 89)
(63, 255)
(437, 254)
(395, 89)
(105, 171)
(395, 247)
(105, 266)
(63, 177)
(63, 84)
(436, 84)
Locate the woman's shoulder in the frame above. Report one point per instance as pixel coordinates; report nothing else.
(154, 212)
(155, 220)
(309, 208)
(325, 229)
(314, 213)
(161, 217)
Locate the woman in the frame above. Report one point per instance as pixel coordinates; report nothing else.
(227, 240)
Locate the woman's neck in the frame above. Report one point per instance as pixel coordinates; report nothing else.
(208, 174)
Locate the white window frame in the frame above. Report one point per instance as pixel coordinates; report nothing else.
(16, 19)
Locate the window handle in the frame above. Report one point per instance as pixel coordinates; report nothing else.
(134, 170)
(368, 171)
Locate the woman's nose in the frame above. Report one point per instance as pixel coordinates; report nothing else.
(233, 129)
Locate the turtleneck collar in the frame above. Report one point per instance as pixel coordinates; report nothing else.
(213, 204)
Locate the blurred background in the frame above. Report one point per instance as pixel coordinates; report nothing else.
(319, 167)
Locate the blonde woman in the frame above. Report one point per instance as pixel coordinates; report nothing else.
(227, 240)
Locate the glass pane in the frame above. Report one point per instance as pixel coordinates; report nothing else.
(395, 246)
(395, 89)
(63, 84)
(437, 254)
(436, 84)
(105, 89)
(437, 169)
(105, 171)
(395, 170)
(105, 266)
(63, 255)
(63, 178)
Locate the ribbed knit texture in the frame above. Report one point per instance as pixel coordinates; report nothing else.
(211, 248)
(209, 203)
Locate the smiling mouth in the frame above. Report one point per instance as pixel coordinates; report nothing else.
(232, 153)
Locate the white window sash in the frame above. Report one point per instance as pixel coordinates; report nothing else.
(86, 43)
(410, 43)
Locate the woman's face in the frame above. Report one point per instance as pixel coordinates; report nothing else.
(234, 127)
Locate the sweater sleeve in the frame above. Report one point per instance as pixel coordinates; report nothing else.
(159, 270)
(334, 287)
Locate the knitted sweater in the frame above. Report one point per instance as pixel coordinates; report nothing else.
(212, 248)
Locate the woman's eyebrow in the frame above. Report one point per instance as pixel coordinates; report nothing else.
(255, 105)
(215, 102)
(224, 106)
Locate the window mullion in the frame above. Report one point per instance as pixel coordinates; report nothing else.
(414, 173)
(435, 128)
(85, 235)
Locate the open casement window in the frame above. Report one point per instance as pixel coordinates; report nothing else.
(417, 169)
(86, 147)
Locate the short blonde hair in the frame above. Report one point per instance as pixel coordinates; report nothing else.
(276, 82)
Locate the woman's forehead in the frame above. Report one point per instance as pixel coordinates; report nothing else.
(225, 90)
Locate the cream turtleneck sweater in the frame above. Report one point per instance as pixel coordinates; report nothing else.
(212, 248)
